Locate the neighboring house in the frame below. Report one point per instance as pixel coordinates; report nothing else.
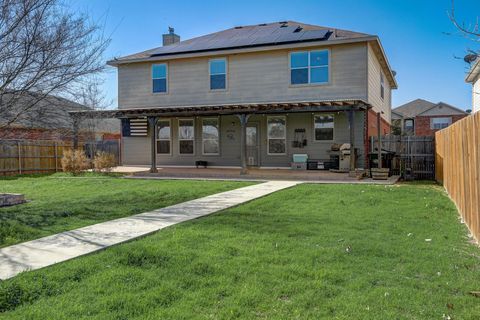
(473, 77)
(50, 120)
(423, 118)
(253, 96)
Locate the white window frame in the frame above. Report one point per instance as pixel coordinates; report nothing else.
(309, 67)
(382, 86)
(409, 128)
(313, 122)
(432, 124)
(218, 138)
(180, 139)
(210, 74)
(166, 78)
(158, 139)
(284, 138)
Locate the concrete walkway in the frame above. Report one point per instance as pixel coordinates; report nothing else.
(49, 250)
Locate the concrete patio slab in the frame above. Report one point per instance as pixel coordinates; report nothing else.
(60, 247)
(306, 176)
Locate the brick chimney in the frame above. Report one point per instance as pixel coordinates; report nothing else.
(170, 37)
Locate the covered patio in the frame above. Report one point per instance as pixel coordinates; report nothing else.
(243, 113)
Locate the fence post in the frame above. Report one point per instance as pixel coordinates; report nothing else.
(19, 152)
(56, 157)
(119, 152)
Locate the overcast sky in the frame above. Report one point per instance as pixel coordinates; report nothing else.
(421, 43)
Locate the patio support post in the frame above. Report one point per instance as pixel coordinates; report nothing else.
(243, 142)
(351, 122)
(152, 121)
(379, 137)
(75, 133)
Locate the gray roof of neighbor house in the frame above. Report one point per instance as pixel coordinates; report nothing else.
(413, 108)
(51, 113)
(419, 106)
(396, 115)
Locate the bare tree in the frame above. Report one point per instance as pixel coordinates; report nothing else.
(45, 49)
(93, 98)
(471, 30)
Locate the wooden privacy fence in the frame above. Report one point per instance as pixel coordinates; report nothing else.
(458, 167)
(33, 156)
(412, 157)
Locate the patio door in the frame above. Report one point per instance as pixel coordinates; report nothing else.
(252, 145)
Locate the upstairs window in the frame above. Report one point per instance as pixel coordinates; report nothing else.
(164, 137)
(210, 136)
(218, 74)
(159, 78)
(323, 125)
(309, 67)
(382, 86)
(440, 123)
(186, 136)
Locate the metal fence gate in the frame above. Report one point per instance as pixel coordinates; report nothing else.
(413, 157)
(108, 146)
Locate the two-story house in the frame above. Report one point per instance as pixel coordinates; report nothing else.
(252, 96)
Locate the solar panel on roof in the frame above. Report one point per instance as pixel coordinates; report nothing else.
(314, 34)
(243, 37)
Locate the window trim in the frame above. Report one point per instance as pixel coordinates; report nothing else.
(409, 128)
(285, 138)
(179, 139)
(218, 139)
(432, 127)
(309, 84)
(210, 75)
(158, 139)
(313, 123)
(166, 78)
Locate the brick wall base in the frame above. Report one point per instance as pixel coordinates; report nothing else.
(422, 124)
(372, 130)
(372, 124)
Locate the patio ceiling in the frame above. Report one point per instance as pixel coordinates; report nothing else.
(228, 109)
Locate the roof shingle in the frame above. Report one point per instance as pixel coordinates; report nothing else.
(250, 36)
(413, 108)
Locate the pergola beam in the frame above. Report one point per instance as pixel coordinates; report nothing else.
(314, 106)
(351, 122)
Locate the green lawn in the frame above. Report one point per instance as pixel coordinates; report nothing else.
(280, 257)
(61, 202)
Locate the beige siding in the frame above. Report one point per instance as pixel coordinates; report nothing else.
(252, 77)
(374, 98)
(135, 150)
(476, 95)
